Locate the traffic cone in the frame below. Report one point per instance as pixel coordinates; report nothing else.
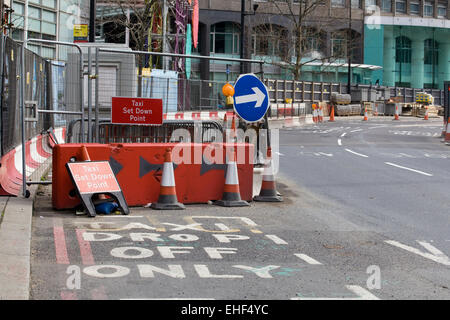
(320, 114)
(396, 113)
(268, 191)
(426, 113)
(315, 114)
(366, 118)
(167, 195)
(447, 133)
(231, 195)
(332, 114)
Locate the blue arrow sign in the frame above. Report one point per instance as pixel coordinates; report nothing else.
(251, 98)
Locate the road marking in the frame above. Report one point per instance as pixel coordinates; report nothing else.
(356, 153)
(340, 142)
(276, 239)
(280, 154)
(357, 130)
(167, 299)
(85, 249)
(326, 154)
(432, 254)
(409, 169)
(307, 258)
(362, 294)
(62, 257)
(344, 134)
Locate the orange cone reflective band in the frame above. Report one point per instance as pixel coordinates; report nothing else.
(268, 191)
(231, 194)
(167, 199)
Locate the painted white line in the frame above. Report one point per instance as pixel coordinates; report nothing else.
(432, 254)
(326, 154)
(356, 153)
(275, 239)
(344, 134)
(307, 258)
(357, 130)
(340, 142)
(122, 216)
(280, 154)
(168, 299)
(409, 169)
(362, 294)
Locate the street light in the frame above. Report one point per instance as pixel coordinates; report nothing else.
(349, 56)
(243, 14)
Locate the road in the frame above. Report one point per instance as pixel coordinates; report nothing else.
(365, 216)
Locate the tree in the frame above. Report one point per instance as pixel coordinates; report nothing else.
(308, 42)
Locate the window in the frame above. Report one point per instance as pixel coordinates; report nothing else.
(269, 40)
(400, 6)
(338, 45)
(431, 52)
(442, 10)
(338, 3)
(356, 4)
(386, 5)
(414, 8)
(402, 50)
(224, 38)
(369, 3)
(428, 9)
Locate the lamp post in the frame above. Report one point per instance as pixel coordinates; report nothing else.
(92, 14)
(241, 44)
(349, 56)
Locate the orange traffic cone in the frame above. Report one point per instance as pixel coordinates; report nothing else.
(268, 191)
(396, 113)
(426, 113)
(332, 114)
(231, 194)
(447, 133)
(167, 195)
(315, 113)
(366, 117)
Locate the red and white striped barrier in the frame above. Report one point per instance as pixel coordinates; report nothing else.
(192, 115)
(37, 151)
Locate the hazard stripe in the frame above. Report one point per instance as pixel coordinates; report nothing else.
(231, 188)
(166, 191)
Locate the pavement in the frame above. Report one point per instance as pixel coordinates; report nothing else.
(364, 217)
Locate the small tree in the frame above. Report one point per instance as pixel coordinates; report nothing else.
(309, 38)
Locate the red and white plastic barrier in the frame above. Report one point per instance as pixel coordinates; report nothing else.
(37, 151)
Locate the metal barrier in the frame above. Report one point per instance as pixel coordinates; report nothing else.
(205, 131)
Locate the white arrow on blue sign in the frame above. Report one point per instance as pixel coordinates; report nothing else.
(251, 98)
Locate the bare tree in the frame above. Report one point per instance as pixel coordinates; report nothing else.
(308, 41)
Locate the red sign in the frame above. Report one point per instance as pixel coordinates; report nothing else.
(94, 177)
(137, 111)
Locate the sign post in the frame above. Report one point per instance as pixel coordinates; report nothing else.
(95, 177)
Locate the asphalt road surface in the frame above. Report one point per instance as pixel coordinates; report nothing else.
(366, 216)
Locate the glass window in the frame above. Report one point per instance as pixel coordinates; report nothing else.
(369, 3)
(35, 1)
(34, 12)
(49, 28)
(402, 50)
(224, 38)
(431, 52)
(34, 25)
(49, 3)
(414, 8)
(48, 16)
(356, 4)
(17, 21)
(442, 10)
(338, 3)
(428, 9)
(17, 35)
(48, 52)
(400, 6)
(386, 5)
(338, 45)
(18, 8)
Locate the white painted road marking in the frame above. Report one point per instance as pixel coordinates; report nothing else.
(356, 153)
(357, 130)
(307, 258)
(362, 294)
(432, 254)
(340, 142)
(344, 134)
(280, 154)
(409, 169)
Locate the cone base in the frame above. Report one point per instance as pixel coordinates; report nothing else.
(232, 203)
(167, 206)
(268, 199)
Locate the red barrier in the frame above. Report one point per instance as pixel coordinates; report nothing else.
(138, 168)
